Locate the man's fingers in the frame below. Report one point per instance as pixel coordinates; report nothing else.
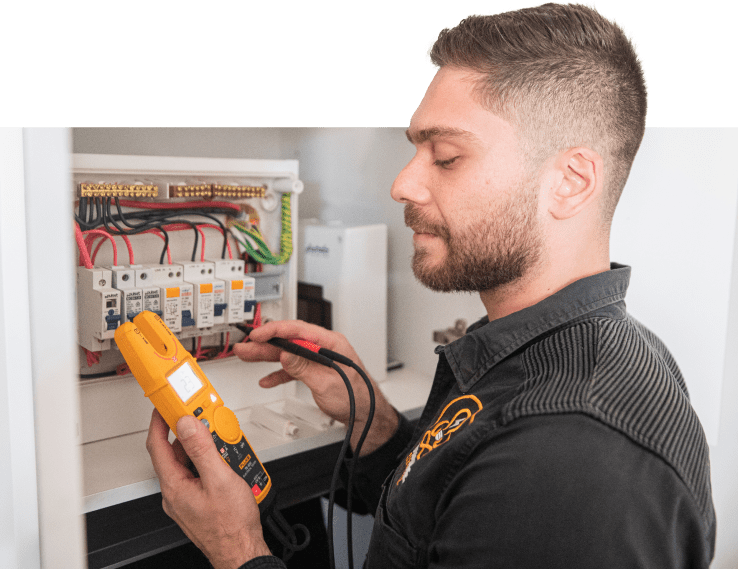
(180, 453)
(291, 329)
(164, 458)
(256, 352)
(197, 442)
(275, 378)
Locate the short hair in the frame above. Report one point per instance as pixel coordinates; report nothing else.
(564, 76)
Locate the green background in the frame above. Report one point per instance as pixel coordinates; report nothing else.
(239, 63)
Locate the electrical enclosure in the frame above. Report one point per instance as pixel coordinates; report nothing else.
(201, 294)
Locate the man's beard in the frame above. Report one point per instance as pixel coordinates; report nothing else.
(484, 256)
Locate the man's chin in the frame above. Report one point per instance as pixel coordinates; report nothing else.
(430, 270)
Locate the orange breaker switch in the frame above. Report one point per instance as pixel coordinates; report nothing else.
(176, 385)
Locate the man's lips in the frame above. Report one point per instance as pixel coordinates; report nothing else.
(420, 236)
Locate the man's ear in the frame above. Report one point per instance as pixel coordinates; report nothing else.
(579, 182)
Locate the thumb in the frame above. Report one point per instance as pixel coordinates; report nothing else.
(197, 442)
(294, 365)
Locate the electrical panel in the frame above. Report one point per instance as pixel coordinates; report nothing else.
(207, 244)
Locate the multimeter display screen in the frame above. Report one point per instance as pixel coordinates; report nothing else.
(185, 382)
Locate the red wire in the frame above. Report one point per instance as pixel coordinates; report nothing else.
(226, 352)
(130, 249)
(92, 357)
(199, 354)
(228, 243)
(93, 256)
(84, 255)
(105, 234)
(202, 249)
(100, 244)
(161, 235)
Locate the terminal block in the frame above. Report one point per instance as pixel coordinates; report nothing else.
(190, 191)
(98, 308)
(118, 190)
(238, 192)
(124, 279)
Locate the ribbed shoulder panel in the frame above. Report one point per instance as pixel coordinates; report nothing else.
(620, 373)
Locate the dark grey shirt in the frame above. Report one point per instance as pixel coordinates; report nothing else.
(559, 436)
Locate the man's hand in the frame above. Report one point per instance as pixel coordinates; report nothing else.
(327, 387)
(217, 511)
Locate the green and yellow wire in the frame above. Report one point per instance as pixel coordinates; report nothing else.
(259, 251)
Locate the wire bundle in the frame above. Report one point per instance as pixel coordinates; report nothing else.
(257, 247)
(159, 218)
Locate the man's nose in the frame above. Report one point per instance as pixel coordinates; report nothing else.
(411, 184)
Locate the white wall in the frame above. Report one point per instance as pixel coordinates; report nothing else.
(676, 227)
(206, 142)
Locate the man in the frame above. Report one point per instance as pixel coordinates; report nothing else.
(558, 432)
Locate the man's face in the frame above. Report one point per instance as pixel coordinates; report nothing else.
(468, 198)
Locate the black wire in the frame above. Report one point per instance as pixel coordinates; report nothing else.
(123, 217)
(110, 217)
(352, 463)
(166, 245)
(111, 373)
(160, 216)
(339, 462)
(80, 216)
(98, 212)
(286, 534)
(150, 225)
(357, 451)
(106, 216)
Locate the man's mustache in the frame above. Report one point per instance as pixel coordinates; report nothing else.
(419, 223)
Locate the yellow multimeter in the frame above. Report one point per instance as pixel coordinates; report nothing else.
(175, 384)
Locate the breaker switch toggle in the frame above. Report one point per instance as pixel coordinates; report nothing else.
(112, 319)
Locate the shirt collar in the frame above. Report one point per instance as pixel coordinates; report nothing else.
(487, 343)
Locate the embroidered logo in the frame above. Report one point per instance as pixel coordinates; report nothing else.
(461, 411)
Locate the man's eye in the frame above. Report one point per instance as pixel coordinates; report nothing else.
(445, 163)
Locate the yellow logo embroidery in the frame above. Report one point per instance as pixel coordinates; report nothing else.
(461, 411)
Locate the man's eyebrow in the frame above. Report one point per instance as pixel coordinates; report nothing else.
(426, 134)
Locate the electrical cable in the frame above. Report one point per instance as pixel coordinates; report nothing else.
(286, 533)
(357, 450)
(192, 225)
(163, 214)
(260, 252)
(337, 469)
(105, 234)
(329, 358)
(83, 253)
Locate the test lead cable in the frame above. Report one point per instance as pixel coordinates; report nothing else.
(326, 357)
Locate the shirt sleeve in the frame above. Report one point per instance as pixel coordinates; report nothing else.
(264, 562)
(566, 491)
(372, 469)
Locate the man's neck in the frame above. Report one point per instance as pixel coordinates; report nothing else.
(536, 286)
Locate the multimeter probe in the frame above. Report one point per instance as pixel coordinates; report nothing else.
(175, 384)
